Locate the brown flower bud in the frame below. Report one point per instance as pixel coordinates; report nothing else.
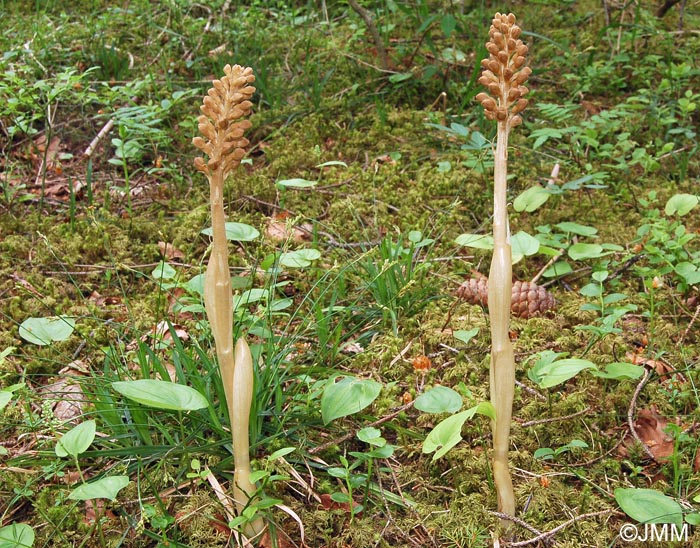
(519, 106)
(499, 40)
(518, 61)
(513, 95)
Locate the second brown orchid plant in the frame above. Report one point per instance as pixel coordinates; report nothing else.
(503, 76)
(222, 125)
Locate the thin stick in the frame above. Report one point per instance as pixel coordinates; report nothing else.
(690, 325)
(630, 414)
(555, 419)
(517, 521)
(372, 27)
(104, 131)
(546, 535)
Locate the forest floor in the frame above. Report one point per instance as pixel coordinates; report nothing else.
(364, 203)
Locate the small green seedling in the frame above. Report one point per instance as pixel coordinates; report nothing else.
(547, 453)
(76, 441)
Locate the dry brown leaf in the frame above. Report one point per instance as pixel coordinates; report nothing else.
(217, 51)
(66, 392)
(662, 369)
(94, 509)
(101, 300)
(281, 230)
(174, 302)
(50, 153)
(650, 428)
(170, 252)
(162, 332)
(329, 504)
(26, 285)
(282, 541)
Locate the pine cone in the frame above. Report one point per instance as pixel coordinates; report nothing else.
(526, 300)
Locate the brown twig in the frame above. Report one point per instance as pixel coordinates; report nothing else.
(555, 419)
(372, 27)
(93, 144)
(631, 410)
(517, 521)
(690, 325)
(542, 537)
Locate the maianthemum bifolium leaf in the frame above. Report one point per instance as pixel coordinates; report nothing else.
(581, 251)
(464, 335)
(162, 394)
(296, 183)
(649, 506)
(301, 258)
(237, 232)
(439, 399)
(105, 488)
(44, 331)
(531, 199)
(347, 396)
(478, 241)
(448, 433)
(551, 374)
(681, 204)
(620, 370)
(76, 440)
(16, 535)
(5, 398)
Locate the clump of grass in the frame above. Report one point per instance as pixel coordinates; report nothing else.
(222, 124)
(503, 76)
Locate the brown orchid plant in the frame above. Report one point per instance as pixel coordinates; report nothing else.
(503, 76)
(222, 125)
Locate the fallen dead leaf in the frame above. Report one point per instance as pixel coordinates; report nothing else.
(161, 333)
(95, 508)
(282, 541)
(281, 230)
(101, 300)
(174, 304)
(663, 369)
(329, 504)
(650, 428)
(67, 392)
(47, 153)
(169, 251)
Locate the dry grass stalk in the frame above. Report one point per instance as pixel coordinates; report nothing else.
(222, 125)
(503, 76)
